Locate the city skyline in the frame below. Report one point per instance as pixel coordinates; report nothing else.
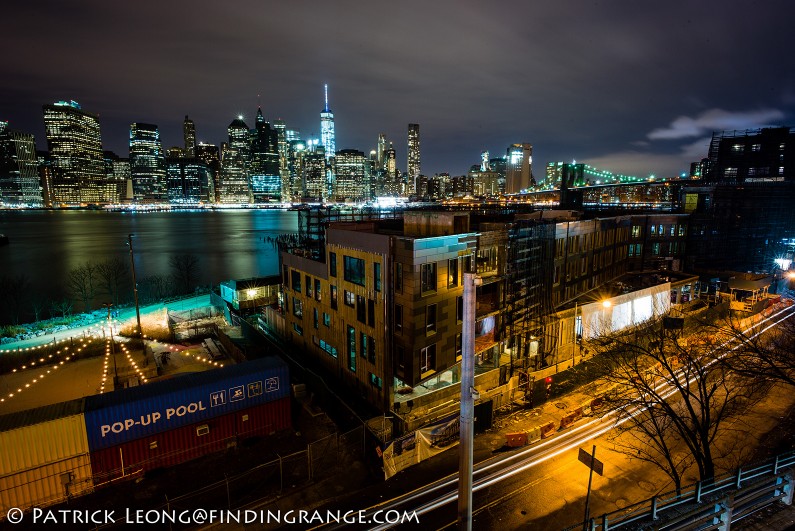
(634, 90)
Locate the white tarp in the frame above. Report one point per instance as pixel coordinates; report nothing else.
(420, 445)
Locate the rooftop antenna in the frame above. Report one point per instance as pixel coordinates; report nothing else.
(325, 90)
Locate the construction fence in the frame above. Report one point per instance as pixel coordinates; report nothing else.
(321, 459)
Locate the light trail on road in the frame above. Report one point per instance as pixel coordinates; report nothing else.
(497, 469)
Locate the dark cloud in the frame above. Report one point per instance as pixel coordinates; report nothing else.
(620, 84)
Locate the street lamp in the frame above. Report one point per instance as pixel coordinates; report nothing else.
(135, 288)
(112, 346)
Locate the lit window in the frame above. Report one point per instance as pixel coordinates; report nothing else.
(375, 381)
(298, 307)
(428, 359)
(428, 277)
(377, 276)
(486, 260)
(398, 318)
(351, 349)
(430, 319)
(452, 272)
(398, 277)
(326, 319)
(350, 298)
(332, 264)
(354, 270)
(361, 309)
(636, 231)
(296, 281)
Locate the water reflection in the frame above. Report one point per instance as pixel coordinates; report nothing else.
(46, 245)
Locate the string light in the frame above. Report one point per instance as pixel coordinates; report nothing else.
(37, 378)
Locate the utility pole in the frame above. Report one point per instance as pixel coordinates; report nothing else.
(135, 288)
(467, 403)
(112, 347)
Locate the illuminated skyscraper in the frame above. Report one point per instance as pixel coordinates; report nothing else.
(413, 166)
(519, 171)
(284, 158)
(266, 182)
(147, 164)
(352, 179)
(235, 161)
(327, 128)
(75, 146)
(211, 155)
(117, 171)
(189, 181)
(189, 132)
(381, 152)
(393, 184)
(313, 172)
(19, 173)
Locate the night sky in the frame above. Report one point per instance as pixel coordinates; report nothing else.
(634, 87)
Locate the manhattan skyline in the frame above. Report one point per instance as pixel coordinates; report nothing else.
(635, 89)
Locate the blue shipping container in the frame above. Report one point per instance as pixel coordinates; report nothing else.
(129, 414)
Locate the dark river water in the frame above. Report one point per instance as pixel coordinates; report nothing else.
(46, 245)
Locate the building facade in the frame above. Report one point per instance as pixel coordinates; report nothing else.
(413, 164)
(264, 169)
(74, 143)
(189, 136)
(19, 172)
(327, 134)
(519, 172)
(235, 160)
(147, 164)
(351, 178)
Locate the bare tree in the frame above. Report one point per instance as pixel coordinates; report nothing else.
(763, 351)
(38, 304)
(674, 396)
(80, 283)
(62, 307)
(185, 268)
(13, 294)
(112, 274)
(154, 288)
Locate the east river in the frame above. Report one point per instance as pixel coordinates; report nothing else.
(46, 245)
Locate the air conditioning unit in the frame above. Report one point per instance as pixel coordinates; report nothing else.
(204, 429)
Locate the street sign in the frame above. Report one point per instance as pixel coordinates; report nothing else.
(585, 458)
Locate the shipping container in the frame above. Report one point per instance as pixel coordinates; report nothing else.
(163, 449)
(44, 456)
(184, 443)
(131, 414)
(263, 420)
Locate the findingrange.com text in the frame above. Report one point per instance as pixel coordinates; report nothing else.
(209, 516)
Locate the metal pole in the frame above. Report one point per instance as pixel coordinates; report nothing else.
(467, 404)
(588, 496)
(112, 349)
(135, 287)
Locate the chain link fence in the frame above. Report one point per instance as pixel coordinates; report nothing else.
(321, 459)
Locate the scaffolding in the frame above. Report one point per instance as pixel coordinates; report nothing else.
(528, 301)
